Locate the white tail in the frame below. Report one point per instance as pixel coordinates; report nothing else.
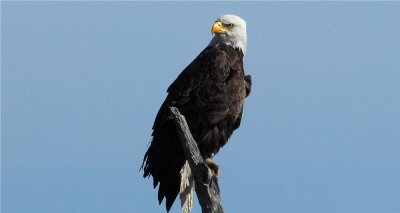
(186, 186)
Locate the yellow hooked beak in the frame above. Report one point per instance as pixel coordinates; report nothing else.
(218, 28)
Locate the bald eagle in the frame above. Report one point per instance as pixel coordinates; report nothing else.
(210, 93)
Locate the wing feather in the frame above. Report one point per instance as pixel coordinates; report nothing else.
(209, 92)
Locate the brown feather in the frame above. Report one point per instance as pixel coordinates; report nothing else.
(210, 93)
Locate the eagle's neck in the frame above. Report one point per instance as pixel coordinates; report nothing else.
(238, 42)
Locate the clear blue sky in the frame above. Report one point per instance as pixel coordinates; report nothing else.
(82, 82)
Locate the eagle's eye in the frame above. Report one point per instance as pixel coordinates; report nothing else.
(230, 25)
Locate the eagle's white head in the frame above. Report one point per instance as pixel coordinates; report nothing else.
(230, 30)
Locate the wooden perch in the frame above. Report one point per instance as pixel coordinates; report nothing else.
(206, 183)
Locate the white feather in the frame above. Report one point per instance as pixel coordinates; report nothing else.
(186, 188)
(236, 37)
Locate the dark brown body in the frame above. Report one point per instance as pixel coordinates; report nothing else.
(210, 93)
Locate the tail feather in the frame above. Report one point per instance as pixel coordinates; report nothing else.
(186, 186)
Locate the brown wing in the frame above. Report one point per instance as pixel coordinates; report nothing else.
(209, 93)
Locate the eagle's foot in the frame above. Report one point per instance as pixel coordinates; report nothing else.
(213, 166)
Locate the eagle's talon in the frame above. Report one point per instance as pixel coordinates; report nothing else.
(213, 166)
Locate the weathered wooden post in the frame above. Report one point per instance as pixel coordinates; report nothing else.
(206, 183)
